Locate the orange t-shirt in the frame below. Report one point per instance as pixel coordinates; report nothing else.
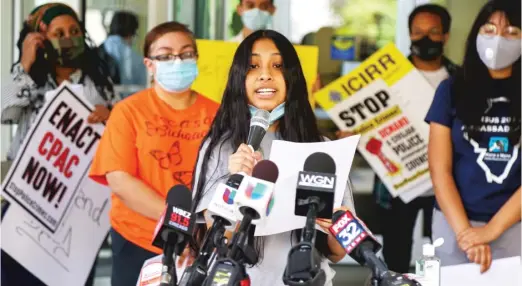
(150, 140)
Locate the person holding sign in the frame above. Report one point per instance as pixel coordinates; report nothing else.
(474, 147)
(53, 49)
(151, 144)
(265, 74)
(255, 15)
(429, 27)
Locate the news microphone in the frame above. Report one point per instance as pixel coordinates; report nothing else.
(255, 197)
(316, 185)
(258, 126)
(221, 211)
(174, 230)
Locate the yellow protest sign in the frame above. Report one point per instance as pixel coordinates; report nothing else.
(215, 58)
(388, 63)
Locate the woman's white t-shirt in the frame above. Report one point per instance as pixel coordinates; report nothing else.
(270, 270)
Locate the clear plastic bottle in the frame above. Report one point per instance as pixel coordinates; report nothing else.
(428, 266)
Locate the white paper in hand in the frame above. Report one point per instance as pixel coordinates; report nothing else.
(290, 158)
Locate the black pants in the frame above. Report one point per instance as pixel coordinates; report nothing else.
(14, 274)
(398, 224)
(127, 260)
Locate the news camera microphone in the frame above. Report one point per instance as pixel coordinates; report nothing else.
(316, 186)
(314, 196)
(360, 244)
(258, 126)
(221, 211)
(174, 230)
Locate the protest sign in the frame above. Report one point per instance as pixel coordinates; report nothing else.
(215, 58)
(290, 158)
(385, 99)
(57, 217)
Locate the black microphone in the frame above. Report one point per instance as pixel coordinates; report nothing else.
(174, 230)
(316, 186)
(195, 274)
(258, 126)
(360, 244)
(314, 197)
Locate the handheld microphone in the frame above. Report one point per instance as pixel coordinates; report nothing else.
(174, 230)
(258, 126)
(221, 211)
(316, 186)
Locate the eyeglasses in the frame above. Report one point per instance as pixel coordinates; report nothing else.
(171, 57)
(510, 32)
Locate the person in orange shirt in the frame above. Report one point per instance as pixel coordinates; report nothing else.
(150, 144)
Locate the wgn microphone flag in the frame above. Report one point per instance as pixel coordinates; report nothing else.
(351, 233)
(176, 218)
(316, 180)
(258, 126)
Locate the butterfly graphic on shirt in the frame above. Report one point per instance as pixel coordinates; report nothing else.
(183, 177)
(170, 158)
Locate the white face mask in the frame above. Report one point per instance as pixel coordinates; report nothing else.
(255, 19)
(498, 52)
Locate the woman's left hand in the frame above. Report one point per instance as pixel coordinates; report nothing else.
(325, 224)
(100, 114)
(474, 236)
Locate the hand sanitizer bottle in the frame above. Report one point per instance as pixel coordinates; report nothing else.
(428, 266)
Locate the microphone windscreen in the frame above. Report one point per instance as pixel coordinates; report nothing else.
(337, 215)
(319, 162)
(180, 196)
(261, 118)
(266, 170)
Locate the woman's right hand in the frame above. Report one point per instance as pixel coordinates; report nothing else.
(31, 43)
(480, 254)
(243, 160)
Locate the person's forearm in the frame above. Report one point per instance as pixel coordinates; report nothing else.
(450, 202)
(136, 195)
(508, 215)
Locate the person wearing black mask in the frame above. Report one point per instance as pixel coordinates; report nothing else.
(429, 27)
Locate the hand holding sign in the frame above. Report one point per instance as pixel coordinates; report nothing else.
(100, 114)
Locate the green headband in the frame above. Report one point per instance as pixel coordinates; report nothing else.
(42, 15)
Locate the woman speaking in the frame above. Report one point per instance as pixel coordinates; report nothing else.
(265, 74)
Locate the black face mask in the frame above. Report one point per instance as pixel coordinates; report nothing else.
(427, 49)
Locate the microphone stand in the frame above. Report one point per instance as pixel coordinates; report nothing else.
(381, 276)
(231, 269)
(168, 272)
(197, 272)
(303, 267)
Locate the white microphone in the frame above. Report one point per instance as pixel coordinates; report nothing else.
(255, 196)
(223, 204)
(258, 127)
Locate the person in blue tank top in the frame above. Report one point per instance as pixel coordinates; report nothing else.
(474, 147)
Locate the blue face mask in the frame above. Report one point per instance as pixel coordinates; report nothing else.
(256, 19)
(275, 115)
(176, 76)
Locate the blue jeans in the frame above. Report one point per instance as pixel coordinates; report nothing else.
(127, 260)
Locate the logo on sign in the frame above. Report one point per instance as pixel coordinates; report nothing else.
(228, 196)
(319, 181)
(255, 192)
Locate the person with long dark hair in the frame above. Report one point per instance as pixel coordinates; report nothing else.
(53, 48)
(265, 74)
(474, 147)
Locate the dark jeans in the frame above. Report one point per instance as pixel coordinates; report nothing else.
(14, 274)
(397, 230)
(127, 260)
